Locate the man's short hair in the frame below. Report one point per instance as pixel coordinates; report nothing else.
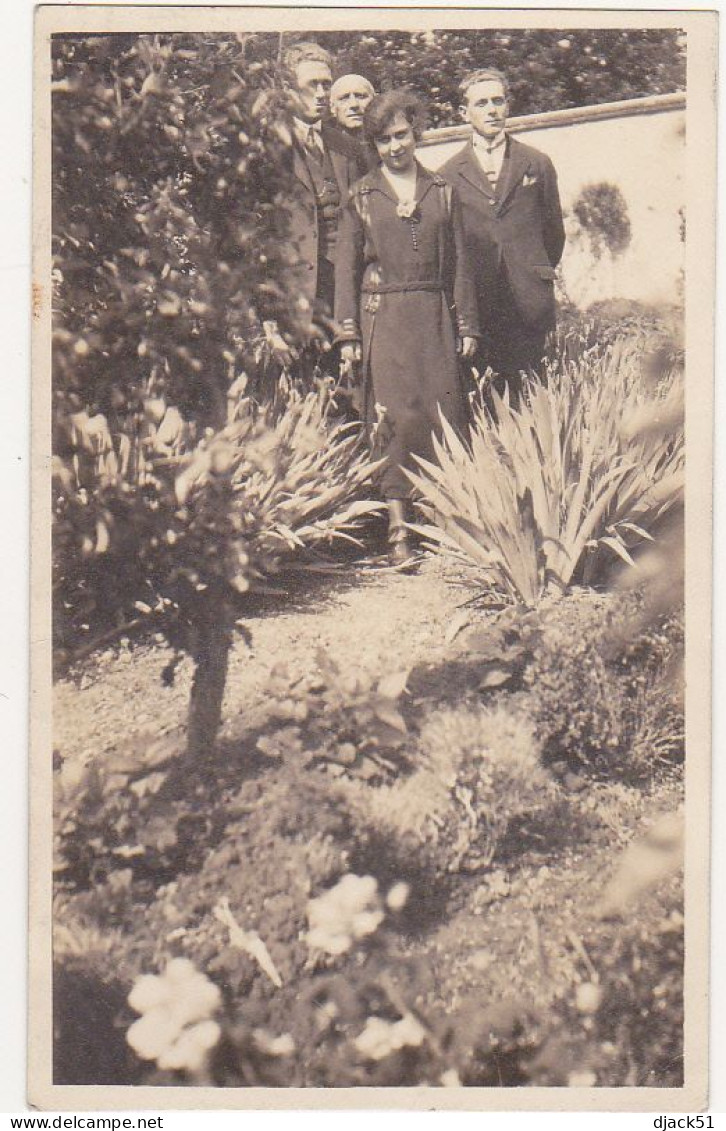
(484, 74)
(303, 52)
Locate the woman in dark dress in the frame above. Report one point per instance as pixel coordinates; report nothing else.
(403, 296)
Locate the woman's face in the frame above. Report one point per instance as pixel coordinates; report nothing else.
(396, 145)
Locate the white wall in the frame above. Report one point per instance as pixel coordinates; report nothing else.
(641, 149)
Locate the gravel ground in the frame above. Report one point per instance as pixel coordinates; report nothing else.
(374, 621)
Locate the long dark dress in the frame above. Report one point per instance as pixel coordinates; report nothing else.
(404, 290)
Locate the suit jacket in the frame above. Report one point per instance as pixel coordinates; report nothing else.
(364, 152)
(514, 233)
(302, 210)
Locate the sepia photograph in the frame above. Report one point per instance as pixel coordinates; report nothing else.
(373, 388)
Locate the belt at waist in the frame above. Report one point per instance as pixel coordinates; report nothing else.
(402, 288)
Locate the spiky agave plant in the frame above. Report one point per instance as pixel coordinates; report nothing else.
(303, 483)
(538, 497)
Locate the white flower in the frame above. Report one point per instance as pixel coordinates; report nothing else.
(152, 1034)
(148, 992)
(366, 923)
(406, 209)
(340, 916)
(588, 997)
(273, 1046)
(189, 1051)
(380, 1038)
(175, 1028)
(398, 896)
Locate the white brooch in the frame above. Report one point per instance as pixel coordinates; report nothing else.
(406, 209)
(528, 179)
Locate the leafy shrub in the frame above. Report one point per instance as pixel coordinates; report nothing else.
(173, 276)
(169, 248)
(596, 702)
(626, 1029)
(547, 70)
(540, 498)
(179, 529)
(476, 773)
(574, 696)
(618, 1023)
(348, 724)
(605, 322)
(602, 213)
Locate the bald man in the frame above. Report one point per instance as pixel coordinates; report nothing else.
(349, 96)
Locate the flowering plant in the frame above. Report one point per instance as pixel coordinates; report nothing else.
(349, 912)
(176, 1028)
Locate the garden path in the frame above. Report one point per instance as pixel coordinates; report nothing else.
(369, 621)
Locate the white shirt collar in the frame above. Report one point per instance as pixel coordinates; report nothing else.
(489, 145)
(302, 129)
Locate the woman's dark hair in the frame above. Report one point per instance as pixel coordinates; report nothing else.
(383, 109)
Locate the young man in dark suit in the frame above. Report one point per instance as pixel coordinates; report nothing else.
(513, 228)
(324, 167)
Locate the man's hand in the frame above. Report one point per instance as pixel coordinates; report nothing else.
(467, 347)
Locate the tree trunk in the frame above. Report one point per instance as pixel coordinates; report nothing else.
(210, 677)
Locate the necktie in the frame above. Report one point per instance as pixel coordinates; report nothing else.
(490, 168)
(313, 144)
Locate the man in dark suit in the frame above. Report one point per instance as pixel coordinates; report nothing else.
(324, 167)
(513, 227)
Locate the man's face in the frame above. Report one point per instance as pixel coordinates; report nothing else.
(486, 108)
(350, 100)
(311, 91)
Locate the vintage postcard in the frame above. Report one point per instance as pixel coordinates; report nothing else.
(372, 402)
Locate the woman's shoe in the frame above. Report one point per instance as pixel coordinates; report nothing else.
(399, 546)
(400, 552)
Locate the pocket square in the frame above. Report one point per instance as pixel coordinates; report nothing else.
(528, 179)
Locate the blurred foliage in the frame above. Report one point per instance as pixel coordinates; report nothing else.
(350, 724)
(168, 221)
(624, 1028)
(658, 331)
(477, 772)
(624, 716)
(602, 213)
(547, 70)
